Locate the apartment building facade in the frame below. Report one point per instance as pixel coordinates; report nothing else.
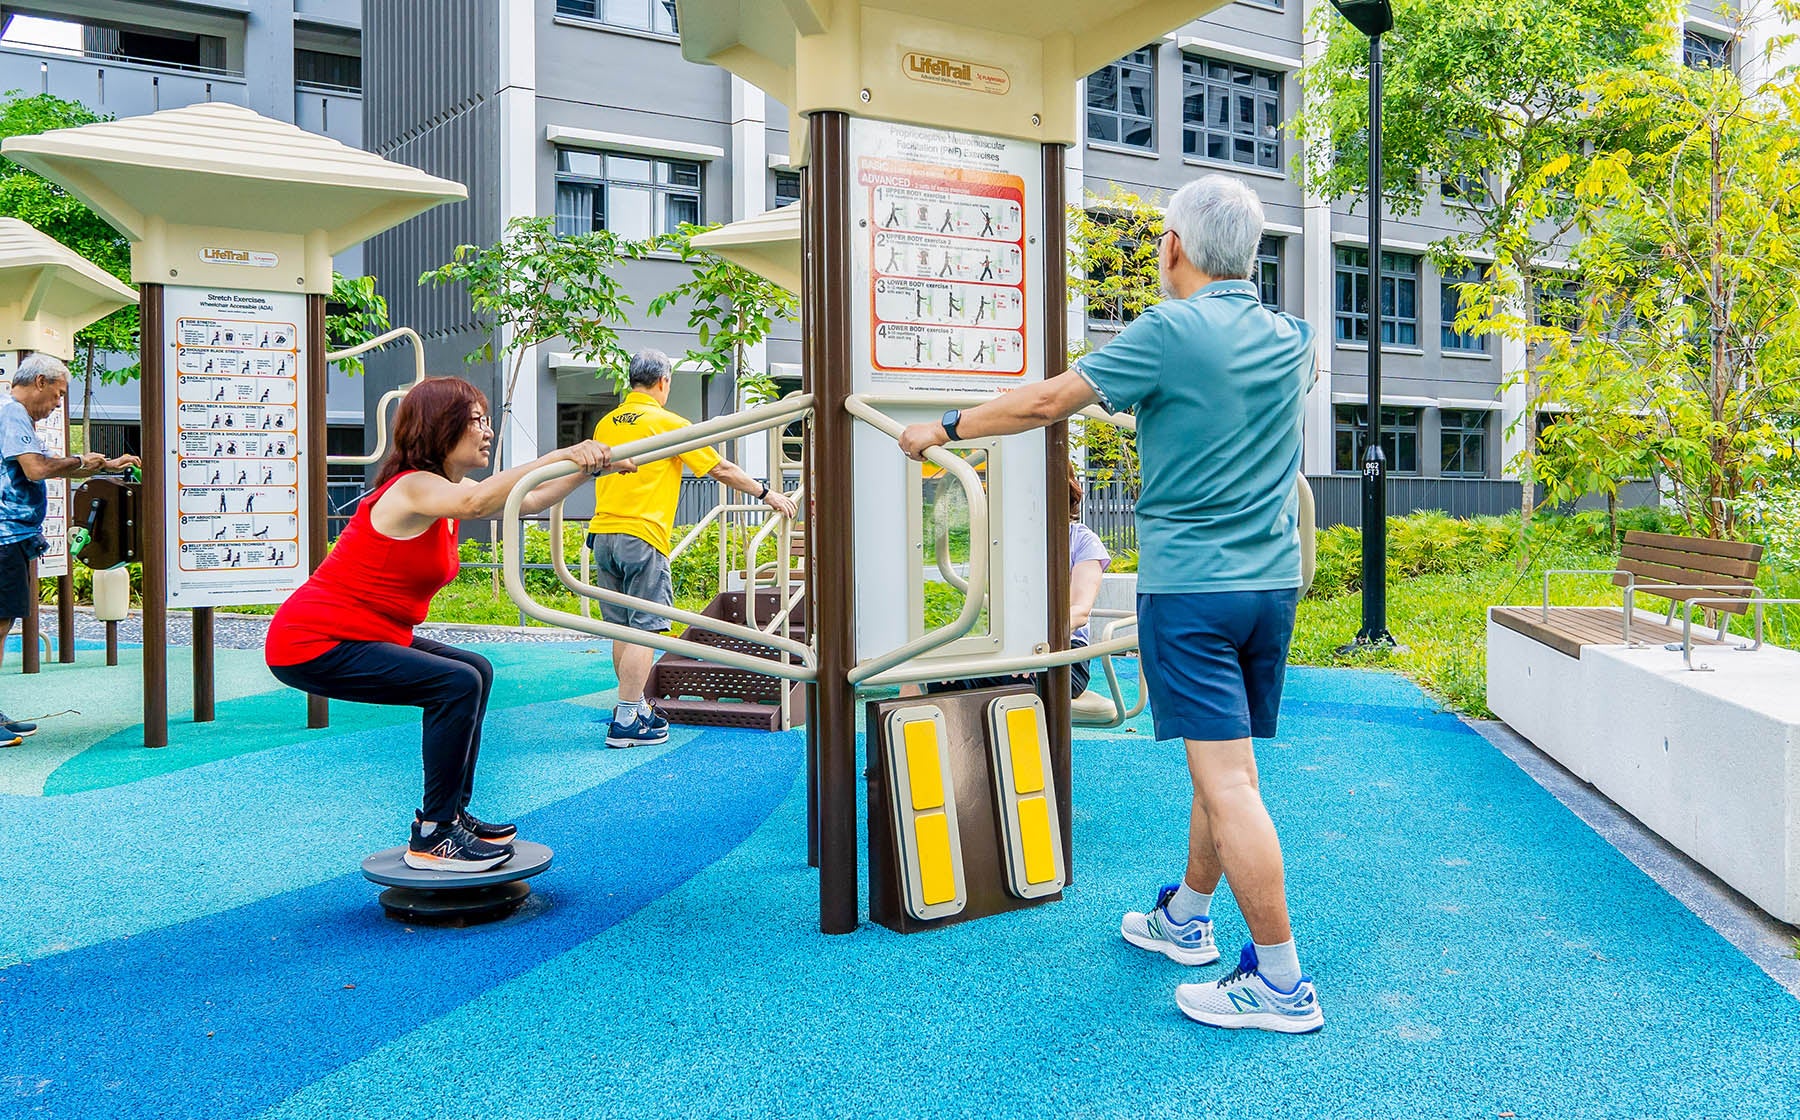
(293, 60)
(585, 110)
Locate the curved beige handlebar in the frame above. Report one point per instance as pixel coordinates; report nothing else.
(381, 425)
(649, 450)
(978, 552)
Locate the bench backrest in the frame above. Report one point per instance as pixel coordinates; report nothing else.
(1658, 558)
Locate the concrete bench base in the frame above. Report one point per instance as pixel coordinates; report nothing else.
(1709, 761)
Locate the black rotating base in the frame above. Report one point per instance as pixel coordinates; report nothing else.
(470, 907)
(449, 898)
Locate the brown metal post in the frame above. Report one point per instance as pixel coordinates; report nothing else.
(153, 509)
(318, 711)
(65, 583)
(826, 326)
(29, 637)
(808, 456)
(112, 643)
(65, 618)
(1054, 686)
(203, 664)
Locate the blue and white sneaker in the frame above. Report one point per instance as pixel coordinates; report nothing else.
(21, 728)
(1182, 942)
(650, 730)
(1244, 999)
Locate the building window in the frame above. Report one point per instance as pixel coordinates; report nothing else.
(1399, 297)
(1463, 434)
(1399, 438)
(787, 189)
(637, 197)
(1705, 52)
(1451, 303)
(1267, 272)
(656, 16)
(321, 68)
(1112, 311)
(1231, 113)
(1121, 101)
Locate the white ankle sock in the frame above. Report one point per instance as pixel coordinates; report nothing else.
(628, 710)
(426, 828)
(1187, 904)
(1279, 965)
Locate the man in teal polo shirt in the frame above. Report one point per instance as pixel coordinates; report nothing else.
(1217, 382)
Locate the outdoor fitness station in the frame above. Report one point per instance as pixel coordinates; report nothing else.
(929, 252)
(47, 293)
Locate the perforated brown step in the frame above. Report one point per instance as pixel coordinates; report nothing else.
(721, 713)
(694, 691)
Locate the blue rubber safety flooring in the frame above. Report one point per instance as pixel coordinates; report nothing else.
(196, 942)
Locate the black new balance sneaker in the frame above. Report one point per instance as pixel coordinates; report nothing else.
(482, 830)
(453, 848)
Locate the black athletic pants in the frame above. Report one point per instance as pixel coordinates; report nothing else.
(451, 684)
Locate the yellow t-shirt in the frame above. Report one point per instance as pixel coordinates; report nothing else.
(643, 504)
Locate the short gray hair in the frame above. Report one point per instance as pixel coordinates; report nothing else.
(649, 367)
(40, 367)
(1219, 220)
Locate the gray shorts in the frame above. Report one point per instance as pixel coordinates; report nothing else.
(626, 564)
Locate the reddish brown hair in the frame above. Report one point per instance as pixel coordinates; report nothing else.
(1074, 493)
(433, 417)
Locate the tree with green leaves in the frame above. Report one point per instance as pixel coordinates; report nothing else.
(1485, 100)
(28, 196)
(1686, 354)
(730, 310)
(355, 313)
(533, 286)
(1112, 268)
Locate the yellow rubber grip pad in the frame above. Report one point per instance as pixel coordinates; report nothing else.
(1027, 754)
(937, 875)
(924, 772)
(1035, 840)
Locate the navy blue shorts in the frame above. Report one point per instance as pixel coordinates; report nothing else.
(1214, 661)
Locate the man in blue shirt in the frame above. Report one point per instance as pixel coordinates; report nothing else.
(38, 388)
(1217, 383)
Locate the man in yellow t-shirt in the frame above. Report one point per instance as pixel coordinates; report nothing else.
(634, 517)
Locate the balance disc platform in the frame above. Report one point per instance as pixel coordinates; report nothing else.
(453, 898)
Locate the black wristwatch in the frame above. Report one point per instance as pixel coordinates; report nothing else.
(764, 494)
(950, 421)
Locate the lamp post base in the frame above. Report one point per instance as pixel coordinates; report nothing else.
(1377, 640)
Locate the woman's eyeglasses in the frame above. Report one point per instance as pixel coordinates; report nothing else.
(482, 423)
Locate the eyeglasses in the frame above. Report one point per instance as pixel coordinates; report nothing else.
(483, 424)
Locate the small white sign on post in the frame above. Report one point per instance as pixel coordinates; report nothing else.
(54, 431)
(235, 403)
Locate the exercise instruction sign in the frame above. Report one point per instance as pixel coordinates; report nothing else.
(234, 390)
(948, 249)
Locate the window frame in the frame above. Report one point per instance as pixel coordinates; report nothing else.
(1239, 80)
(1345, 320)
(1464, 433)
(776, 177)
(1701, 50)
(594, 11)
(1267, 268)
(1141, 61)
(661, 186)
(1451, 340)
(1353, 420)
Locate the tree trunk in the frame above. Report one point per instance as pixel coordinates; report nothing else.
(1528, 458)
(87, 400)
(1718, 491)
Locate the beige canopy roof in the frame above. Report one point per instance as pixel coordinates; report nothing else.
(48, 291)
(768, 245)
(827, 54)
(215, 170)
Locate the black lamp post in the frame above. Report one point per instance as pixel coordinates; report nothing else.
(1373, 18)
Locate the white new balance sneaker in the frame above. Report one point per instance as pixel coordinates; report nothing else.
(1188, 943)
(1245, 999)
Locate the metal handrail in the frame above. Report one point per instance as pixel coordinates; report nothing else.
(381, 426)
(871, 669)
(1630, 603)
(1687, 625)
(1123, 619)
(651, 449)
(752, 567)
(988, 665)
(945, 567)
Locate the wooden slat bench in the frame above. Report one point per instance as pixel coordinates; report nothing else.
(1674, 568)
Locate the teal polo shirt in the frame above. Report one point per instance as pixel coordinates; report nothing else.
(1217, 382)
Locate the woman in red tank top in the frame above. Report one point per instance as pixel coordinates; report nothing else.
(348, 632)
